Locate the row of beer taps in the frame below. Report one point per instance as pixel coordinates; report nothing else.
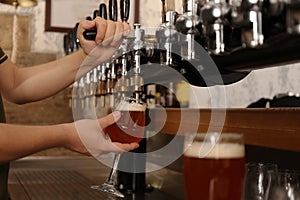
(221, 27)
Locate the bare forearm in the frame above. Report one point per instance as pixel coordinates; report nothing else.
(39, 82)
(84, 136)
(20, 141)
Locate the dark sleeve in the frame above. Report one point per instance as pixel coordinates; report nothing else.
(3, 56)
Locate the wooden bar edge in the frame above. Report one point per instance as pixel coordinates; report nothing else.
(269, 127)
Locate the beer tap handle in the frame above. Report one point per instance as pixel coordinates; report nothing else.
(96, 14)
(66, 44)
(91, 34)
(163, 11)
(103, 10)
(113, 10)
(89, 18)
(125, 9)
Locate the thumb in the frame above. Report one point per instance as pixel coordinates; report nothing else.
(109, 119)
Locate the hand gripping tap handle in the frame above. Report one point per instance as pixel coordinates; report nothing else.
(91, 34)
(113, 15)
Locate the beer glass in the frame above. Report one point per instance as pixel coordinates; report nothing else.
(257, 180)
(214, 167)
(128, 129)
(283, 185)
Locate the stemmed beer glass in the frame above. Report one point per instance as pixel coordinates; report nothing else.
(257, 177)
(283, 185)
(129, 128)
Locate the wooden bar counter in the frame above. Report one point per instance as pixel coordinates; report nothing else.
(71, 177)
(277, 128)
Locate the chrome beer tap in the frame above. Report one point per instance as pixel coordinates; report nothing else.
(167, 37)
(94, 83)
(293, 16)
(90, 81)
(122, 81)
(186, 24)
(111, 83)
(122, 84)
(136, 80)
(255, 37)
(101, 87)
(74, 101)
(81, 93)
(111, 67)
(248, 15)
(213, 16)
(87, 90)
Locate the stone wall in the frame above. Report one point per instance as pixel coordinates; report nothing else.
(50, 111)
(53, 110)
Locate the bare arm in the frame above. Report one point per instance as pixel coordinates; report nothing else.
(19, 141)
(22, 85)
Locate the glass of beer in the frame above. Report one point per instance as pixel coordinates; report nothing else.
(128, 129)
(214, 167)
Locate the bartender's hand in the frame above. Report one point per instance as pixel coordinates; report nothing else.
(88, 137)
(109, 33)
(108, 39)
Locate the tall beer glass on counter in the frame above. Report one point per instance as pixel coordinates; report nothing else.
(214, 167)
(129, 128)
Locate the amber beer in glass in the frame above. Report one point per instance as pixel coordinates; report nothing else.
(214, 167)
(130, 127)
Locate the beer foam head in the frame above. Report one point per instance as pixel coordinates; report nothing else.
(132, 106)
(215, 151)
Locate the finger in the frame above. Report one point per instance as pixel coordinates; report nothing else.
(118, 33)
(109, 119)
(101, 25)
(110, 31)
(126, 29)
(84, 25)
(126, 147)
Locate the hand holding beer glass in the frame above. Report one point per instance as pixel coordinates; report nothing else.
(214, 167)
(128, 129)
